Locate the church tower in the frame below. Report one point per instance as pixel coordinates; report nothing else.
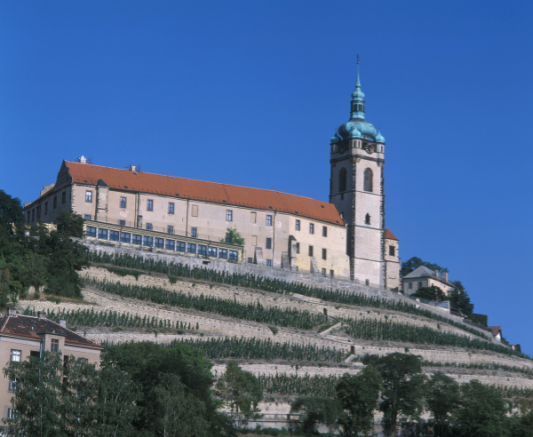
(357, 190)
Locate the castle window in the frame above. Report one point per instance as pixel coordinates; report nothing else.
(180, 246)
(122, 222)
(233, 255)
(54, 347)
(114, 235)
(324, 254)
(88, 197)
(11, 413)
(87, 216)
(171, 207)
(324, 231)
(367, 219)
(311, 228)
(269, 263)
(149, 226)
(102, 234)
(297, 225)
(310, 250)
(323, 272)
(229, 215)
(170, 229)
(297, 247)
(125, 237)
(148, 241)
(269, 220)
(223, 253)
(137, 239)
(194, 232)
(160, 243)
(342, 179)
(202, 250)
(123, 202)
(250, 260)
(191, 248)
(15, 355)
(368, 184)
(91, 231)
(392, 251)
(149, 205)
(268, 244)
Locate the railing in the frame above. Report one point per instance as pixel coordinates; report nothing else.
(160, 242)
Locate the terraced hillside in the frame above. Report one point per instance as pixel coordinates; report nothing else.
(297, 344)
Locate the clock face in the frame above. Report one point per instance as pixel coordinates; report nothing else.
(369, 147)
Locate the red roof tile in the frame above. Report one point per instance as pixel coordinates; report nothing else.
(127, 180)
(389, 235)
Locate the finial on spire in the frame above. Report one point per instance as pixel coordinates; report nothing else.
(358, 83)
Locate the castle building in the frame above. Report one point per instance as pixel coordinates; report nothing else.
(345, 238)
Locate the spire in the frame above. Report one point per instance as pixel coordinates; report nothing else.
(358, 102)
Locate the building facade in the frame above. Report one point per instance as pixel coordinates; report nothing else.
(345, 238)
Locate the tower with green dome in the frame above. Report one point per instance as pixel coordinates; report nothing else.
(357, 190)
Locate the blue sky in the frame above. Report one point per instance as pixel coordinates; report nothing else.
(249, 93)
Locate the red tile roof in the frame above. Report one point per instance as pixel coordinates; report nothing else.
(127, 180)
(495, 330)
(390, 236)
(30, 327)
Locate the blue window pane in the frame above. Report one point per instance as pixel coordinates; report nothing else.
(233, 255)
(180, 246)
(148, 241)
(202, 250)
(170, 245)
(102, 234)
(212, 251)
(191, 248)
(114, 235)
(91, 231)
(223, 253)
(125, 237)
(159, 242)
(137, 239)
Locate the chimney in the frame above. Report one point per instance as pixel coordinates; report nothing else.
(133, 168)
(62, 323)
(445, 274)
(41, 314)
(82, 160)
(437, 274)
(11, 311)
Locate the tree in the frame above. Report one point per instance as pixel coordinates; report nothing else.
(413, 263)
(430, 293)
(460, 300)
(358, 397)
(316, 410)
(442, 396)
(481, 412)
(233, 237)
(11, 211)
(522, 425)
(241, 389)
(70, 224)
(402, 386)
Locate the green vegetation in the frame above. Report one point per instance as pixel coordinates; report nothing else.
(233, 237)
(283, 384)
(33, 256)
(430, 293)
(125, 272)
(271, 285)
(256, 311)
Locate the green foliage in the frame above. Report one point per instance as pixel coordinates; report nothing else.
(522, 425)
(233, 237)
(70, 224)
(316, 410)
(413, 263)
(442, 397)
(173, 279)
(460, 300)
(283, 384)
(430, 293)
(124, 272)
(241, 390)
(482, 319)
(358, 397)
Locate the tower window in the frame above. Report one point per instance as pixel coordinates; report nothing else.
(342, 179)
(367, 219)
(392, 251)
(368, 185)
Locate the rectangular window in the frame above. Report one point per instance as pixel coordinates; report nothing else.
(194, 211)
(102, 234)
(170, 245)
(324, 231)
(223, 253)
(324, 254)
(250, 260)
(55, 202)
(46, 207)
(88, 197)
(91, 231)
(194, 232)
(268, 244)
(149, 226)
(410, 285)
(137, 239)
(323, 272)
(191, 248)
(229, 215)
(87, 216)
(311, 228)
(310, 250)
(171, 207)
(253, 217)
(269, 263)
(212, 251)
(148, 241)
(114, 235)
(297, 247)
(228, 237)
(159, 243)
(123, 202)
(125, 237)
(170, 229)
(297, 225)
(269, 220)
(122, 222)
(11, 413)
(12, 384)
(180, 247)
(64, 197)
(202, 249)
(392, 251)
(54, 346)
(15, 355)
(331, 273)
(233, 255)
(149, 205)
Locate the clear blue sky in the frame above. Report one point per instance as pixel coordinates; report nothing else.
(249, 93)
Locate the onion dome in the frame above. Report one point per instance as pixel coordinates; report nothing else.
(334, 139)
(380, 138)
